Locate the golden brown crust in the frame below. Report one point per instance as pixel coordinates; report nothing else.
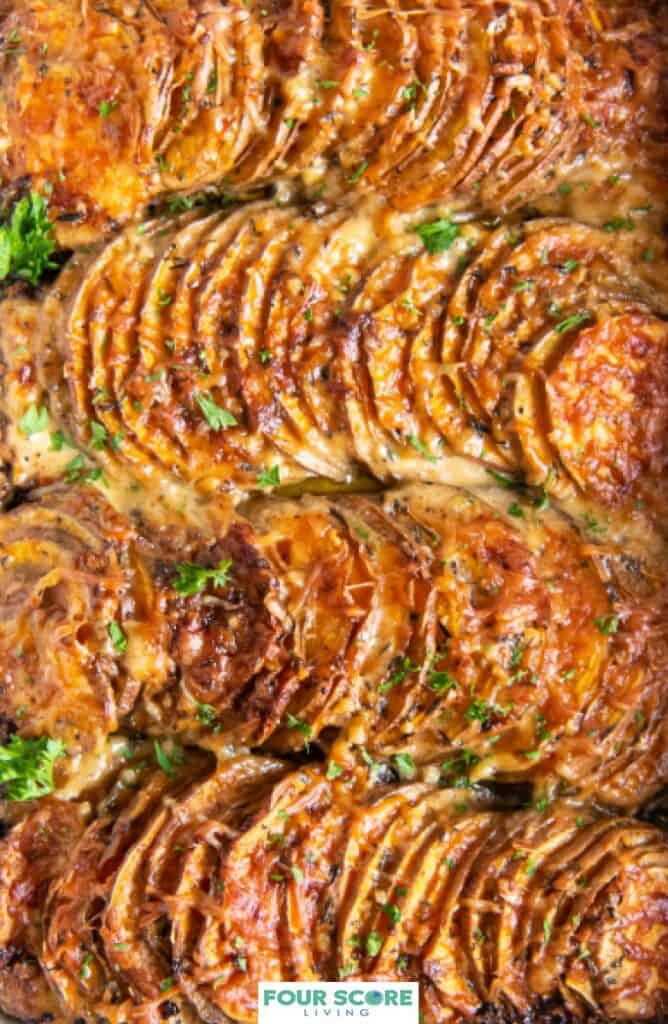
(113, 106)
(258, 876)
(72, 573)
(238, 351)
(473, 678)
(476, 631)
(35, 852)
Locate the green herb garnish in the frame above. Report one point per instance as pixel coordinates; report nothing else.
(607, 624)
(168, 762)
(192, 579)
(27, 242)
(26, 766)
(117, 637)
(405, 765)
(421, 448)
(34, 421)
(437, 235)
(216, 417)
(269, 477)
(571, 322)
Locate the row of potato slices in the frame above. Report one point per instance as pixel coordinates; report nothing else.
(179, 901)
(431, 624)
(255, 348)
(409, 97)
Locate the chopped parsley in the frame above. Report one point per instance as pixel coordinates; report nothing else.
(168, 762)
(504, 481)
(357, 174)
(480, 710)
(441, 682)
(206, 714)
(401, 668)
(334, 770)
(293, 722)
(192, 579)
(392, 911)
(117, 637)
(85, 971)
(269, 477)
(572, 322)
(619, 224)
(458, 767)
(27, 242)
(78, 470)
(373, 943)
(437, 235)
(26, 767)
(107, 107)
(405, 765)
(607, 624)
(34, 421)
(421, 448)
(59, 441)
(517, 652)
(99, 435)
(217, 418)
(592, 524)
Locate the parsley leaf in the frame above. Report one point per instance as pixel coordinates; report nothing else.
(117, 637)
(481, 711)
(292, 722)
(98, 433)
(168, 762)
(619, 224)
(34, 421)
(357, 174)
(192, 579)
(571, 322)
(59, 440)
(78, 470)
(206, 713)
(26, 766)
(269, 477)
(216, 417)
(392, 911)
(509, 482)
(441, 682)
(405, 765)
(27, 242)
(401, 668)
(107, 107)
(421, 447)
(437, 235)
(607, 624)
